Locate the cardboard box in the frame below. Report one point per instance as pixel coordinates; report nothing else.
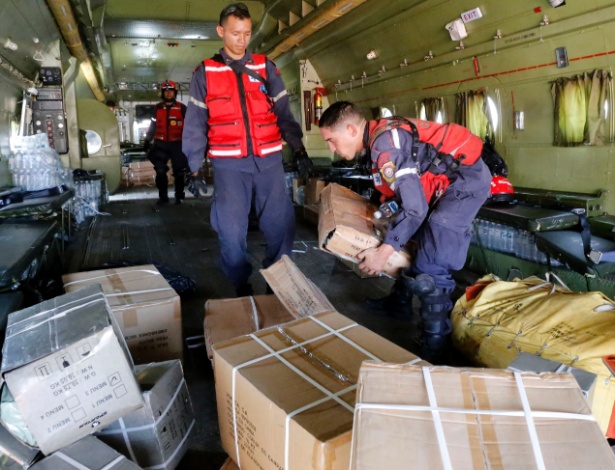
(86, 454)
(67, 367)
(497, 419)
(286, 394)
(229, 465)
(298, 197)
(142, 165)
(147, 309)
(345, 227)
(298, 294)
(313, 187)
(310, 213)
(155, 436)
(228, 318)
(14, 454)
(525, 362)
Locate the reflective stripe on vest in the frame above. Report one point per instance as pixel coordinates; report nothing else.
(230, 131)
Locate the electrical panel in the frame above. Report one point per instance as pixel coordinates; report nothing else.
(48, 116)
(50, 76)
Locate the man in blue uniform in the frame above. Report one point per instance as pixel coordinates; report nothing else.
(164, 141)
(436, 174)
(238, 114)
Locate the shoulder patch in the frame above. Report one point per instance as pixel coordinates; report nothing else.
(388, 172)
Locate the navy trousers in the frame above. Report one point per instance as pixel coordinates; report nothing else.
(234, 194)
(444, 237)
(160, 156)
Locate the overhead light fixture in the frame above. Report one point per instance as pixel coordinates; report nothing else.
(123, 86)
(371, 55)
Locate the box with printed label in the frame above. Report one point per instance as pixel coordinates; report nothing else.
(67, 367)
(86, 454)
(155, 436)
(346, 228)
(286, 394)
(442, 417)
(146, 307)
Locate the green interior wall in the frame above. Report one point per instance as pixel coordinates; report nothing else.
(518, 67)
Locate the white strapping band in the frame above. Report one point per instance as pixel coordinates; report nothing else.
(254, 313)
(431, 393)
(104, 276)
(278, 354)
(79, 466)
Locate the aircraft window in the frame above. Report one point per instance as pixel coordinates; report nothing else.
(385, 112)
(493, 114)
(93, 140)
(436, 105)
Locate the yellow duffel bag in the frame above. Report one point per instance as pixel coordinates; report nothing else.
(495, 320)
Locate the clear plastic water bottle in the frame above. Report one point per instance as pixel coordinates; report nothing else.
(386, 210)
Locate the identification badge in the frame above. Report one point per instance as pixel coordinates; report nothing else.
(388, 172)
(377, 179)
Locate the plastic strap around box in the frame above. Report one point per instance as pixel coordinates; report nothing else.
(124, 430)
(148, 271)
(77, 465)
(527, 413)
(277, 354)
(254, 313)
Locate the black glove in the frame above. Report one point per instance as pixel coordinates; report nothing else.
(304, 162)
(197, 185)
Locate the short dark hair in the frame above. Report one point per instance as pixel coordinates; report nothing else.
(338, 113)
(239, 10)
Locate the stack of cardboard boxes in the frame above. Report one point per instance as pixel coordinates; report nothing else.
(322, 392)
(142, 173)
(69, 372)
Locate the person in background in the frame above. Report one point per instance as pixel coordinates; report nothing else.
(163, 141)
(435, 173)
(238, 114)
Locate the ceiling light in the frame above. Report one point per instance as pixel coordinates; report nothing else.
(371, 55)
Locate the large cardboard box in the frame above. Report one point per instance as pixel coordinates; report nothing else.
(229, 465)
(345, 227)
(147, 309)
(313, 187)
(228, 318)
(87, 454)
(155, 436)
(439, 417)
(286, 394)
(66, 365)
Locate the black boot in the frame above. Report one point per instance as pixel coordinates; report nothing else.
(162, 183)
(435, 309)
(397, 304)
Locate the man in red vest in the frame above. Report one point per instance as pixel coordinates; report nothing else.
(164, 141)
(238, 114)
(435, 173)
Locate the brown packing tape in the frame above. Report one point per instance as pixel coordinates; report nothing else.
(116, 282)
(131, 318)
(487, 428)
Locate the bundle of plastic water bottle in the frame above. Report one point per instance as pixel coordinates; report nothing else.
(507, 239)
(34, 165)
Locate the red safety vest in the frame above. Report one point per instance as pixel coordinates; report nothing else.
(229, 128)
(454, 145)
(169, 122)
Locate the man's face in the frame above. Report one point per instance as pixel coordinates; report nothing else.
(235, 34)
(169, 94)
(345, 140)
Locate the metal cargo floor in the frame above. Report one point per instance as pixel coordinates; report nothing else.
(180, 237)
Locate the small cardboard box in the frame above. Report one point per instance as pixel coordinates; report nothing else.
(146, 307)
(14, 454)
(142, 165)
(228, 318)
(66, 365)
(525, 362)
(87, 454)
(155, 436)
(286, 394)
(345, 227)
(313, 187)
(440, 417)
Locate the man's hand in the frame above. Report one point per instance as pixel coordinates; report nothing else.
(373, 260)
(197, 185)
(304, 162)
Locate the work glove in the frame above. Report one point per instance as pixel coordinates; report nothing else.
(197, 185)
(304, 162)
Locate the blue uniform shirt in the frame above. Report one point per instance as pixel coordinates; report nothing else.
(194, 140)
